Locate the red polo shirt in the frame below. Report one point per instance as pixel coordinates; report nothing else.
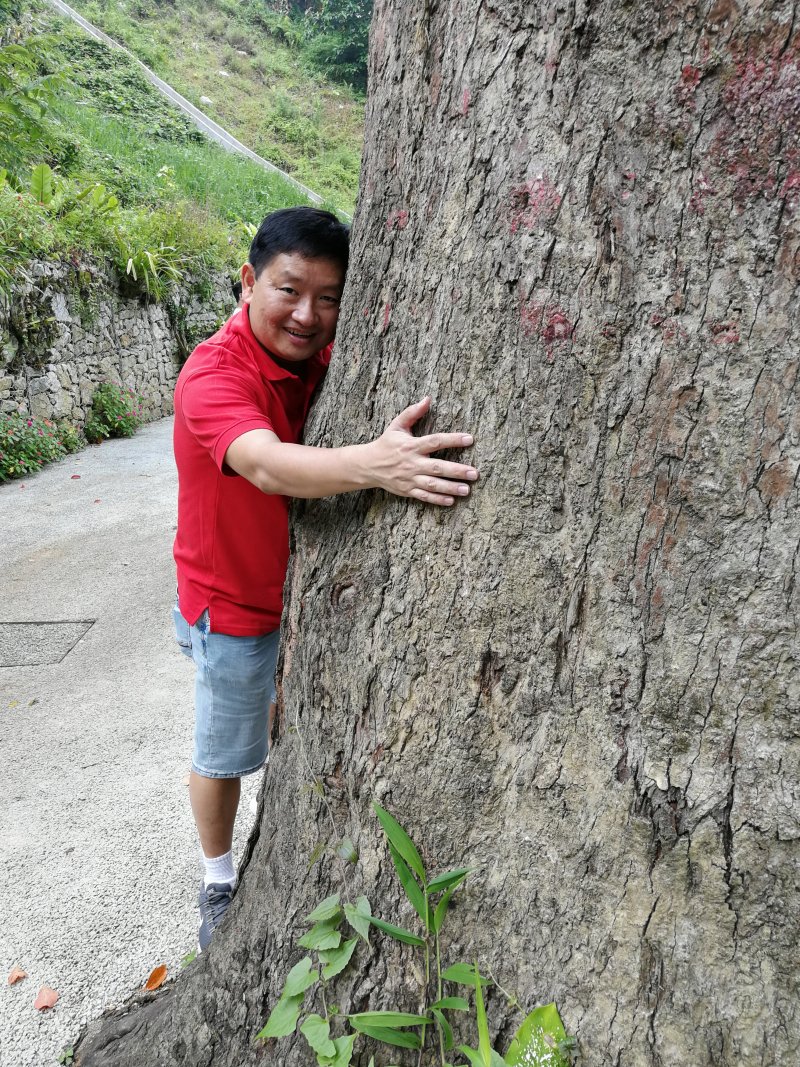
(232, 544)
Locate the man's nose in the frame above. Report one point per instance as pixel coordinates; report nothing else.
(304, 311)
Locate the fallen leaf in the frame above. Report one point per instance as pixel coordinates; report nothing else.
(186, 779)
(13, 703)
(46, 998)
(75, 477)
(17, 974)
(97, 501)
(157, 977)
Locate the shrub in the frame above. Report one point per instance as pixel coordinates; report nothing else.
(27, 443)
(116, 412)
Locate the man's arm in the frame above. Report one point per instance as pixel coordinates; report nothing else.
(396, 461)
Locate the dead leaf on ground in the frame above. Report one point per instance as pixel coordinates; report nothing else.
(75, 477)
(157, 978)
(17, 974)
(45, 998)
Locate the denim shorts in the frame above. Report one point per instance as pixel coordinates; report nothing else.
(234, 686)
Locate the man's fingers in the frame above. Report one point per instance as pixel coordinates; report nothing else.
(407, 419)
(441, 487)
(437, 442)
(439, 468)
(432, 498)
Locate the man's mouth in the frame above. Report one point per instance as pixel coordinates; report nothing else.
(298, 334)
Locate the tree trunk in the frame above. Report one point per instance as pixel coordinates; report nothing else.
(578, 230)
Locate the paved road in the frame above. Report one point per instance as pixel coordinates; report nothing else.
(100, 866)
(203, 122)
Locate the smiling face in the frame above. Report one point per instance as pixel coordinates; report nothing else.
(294, 304)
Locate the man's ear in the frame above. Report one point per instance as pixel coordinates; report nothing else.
(248, 281)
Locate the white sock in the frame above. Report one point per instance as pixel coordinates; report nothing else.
(219, 869)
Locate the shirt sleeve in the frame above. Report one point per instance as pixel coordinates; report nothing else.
(218, 405)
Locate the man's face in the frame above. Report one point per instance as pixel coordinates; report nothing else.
(294, 304)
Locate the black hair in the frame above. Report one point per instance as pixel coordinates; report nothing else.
(237, 289)
(306, 231)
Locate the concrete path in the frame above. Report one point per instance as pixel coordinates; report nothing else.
(97, 847)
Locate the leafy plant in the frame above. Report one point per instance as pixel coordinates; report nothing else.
(539, 1042)
(116, 412)
(27, 443)
(26, 97)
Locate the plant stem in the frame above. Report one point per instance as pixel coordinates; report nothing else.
(439, 992)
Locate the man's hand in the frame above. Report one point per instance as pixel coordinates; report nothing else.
(402, 464)
(396, 461)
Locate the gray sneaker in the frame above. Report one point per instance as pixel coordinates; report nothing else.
(213, 902)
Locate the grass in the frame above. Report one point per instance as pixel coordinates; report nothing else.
(257, 83)
(180, 203)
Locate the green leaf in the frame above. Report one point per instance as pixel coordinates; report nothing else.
(538, 1037)
(401, 841)
(42, 183)
(358, 916)
(391, 1037)
(484, 1041)
(388, 1018)
(344, 1052)
(450, 879)
(452, 1004)
(397, 932)
(328, 909)
(445, 1027)
(283, 1018)
(3, 176)
(496, 1059)
(317, 1032)
(336, 959)
(347, 851)
(300, 978)
(463, 974)
(323, 935)
(472, 1055)
(411, 886)
(441, 910)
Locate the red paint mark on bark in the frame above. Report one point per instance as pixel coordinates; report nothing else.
(548, 323)
(724, 333)
(702, 189)
(387, 314)
(670, 327)
(366, 313)
(534, 202)
(466, 98)
(397, 220)
(628, 184)
(791, 187)
(759, 129)
(685, 89)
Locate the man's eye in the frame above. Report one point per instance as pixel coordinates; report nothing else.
(287, 289)
(331, 299)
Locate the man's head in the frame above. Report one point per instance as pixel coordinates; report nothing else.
(293, 281)
(306, 231)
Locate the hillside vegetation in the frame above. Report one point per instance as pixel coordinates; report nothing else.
(256, 71)
(94, 161)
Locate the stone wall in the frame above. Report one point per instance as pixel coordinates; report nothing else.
(67, 328)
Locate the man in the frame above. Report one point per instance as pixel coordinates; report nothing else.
(240, 406)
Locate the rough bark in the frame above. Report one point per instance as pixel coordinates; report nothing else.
(578, 229)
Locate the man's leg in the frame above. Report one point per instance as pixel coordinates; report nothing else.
(233, 686)
(214, 804)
